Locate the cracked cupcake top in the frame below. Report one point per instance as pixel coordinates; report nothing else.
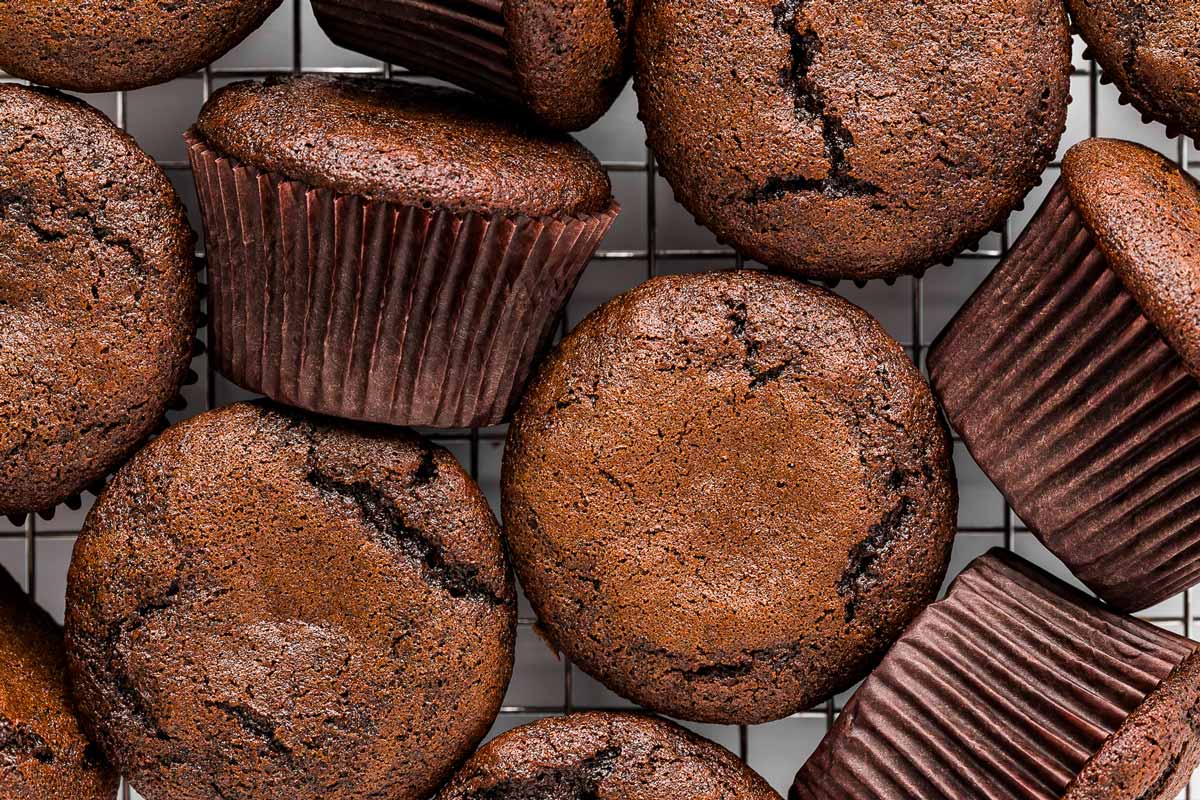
(406, 143)
(841, 139)
(726, 494)
(43, 752)
(97, 297)
(604, 756)
(1151, 50)
(270, 604)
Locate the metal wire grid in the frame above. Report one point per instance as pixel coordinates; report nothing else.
(653, 256)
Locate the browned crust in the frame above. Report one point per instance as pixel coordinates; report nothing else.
(727, 493)
(572, 57)
(43, 752)
(405, 143)
(606, 756)
(97, 297)
(1145, 214)
(277, 605)
(92, 46)
(848, 139)
(1148, 49)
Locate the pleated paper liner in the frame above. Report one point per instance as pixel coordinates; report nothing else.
(1007, 689)
(462, 41)
(74, 501)
(376, 311)
(1079, 411)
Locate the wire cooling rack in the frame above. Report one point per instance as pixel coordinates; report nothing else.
(776, 749)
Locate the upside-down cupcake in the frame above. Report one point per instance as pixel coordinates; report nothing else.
(1071, 373)
(388, 251)
(563, 60)
(1017, 687)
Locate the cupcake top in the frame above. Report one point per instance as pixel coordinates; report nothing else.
(604, 756)
(405, 143)
(97, 297)
(852, 139)
(90, 46)
(1145, 214)
(267, 604)
(1148, 49)
(571, 57)
(727, 493)
(43, 752)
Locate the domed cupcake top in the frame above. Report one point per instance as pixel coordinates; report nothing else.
(406, 143)
(572, 57)
(91, 46)
(1145, 214)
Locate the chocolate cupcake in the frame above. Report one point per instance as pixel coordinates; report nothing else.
(1148, 49)
(843, 139)
(604, 756)
(564, 61)
(265, 604)
(388, 251)
(726, 494)
(97, 297)
(88, 46)
(43, 752)
(1071, 373)
(1017, 687)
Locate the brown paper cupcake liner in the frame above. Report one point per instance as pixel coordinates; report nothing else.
(1079, 411)
(1009, 688)
(377, 311)
(462, 41)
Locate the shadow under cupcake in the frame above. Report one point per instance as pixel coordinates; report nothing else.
(1071, 373)
(389, 252)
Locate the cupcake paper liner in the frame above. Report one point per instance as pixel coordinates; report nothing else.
(377, 311)
(1008, 688)
(458, 40)
(1079, 411)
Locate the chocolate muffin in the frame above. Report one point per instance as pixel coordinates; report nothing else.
(564, 61)
(604, 756)
(726, 494)
(843, 139)
(90, 46)
(43, 752)
(97, 297)
(270, 605)
(1071, 373)
(1017, 687)
(1148, 49)
(388, 251)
